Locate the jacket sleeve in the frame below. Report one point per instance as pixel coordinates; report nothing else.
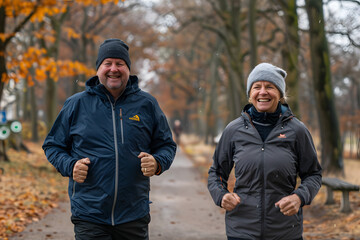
(163, 148)
(220, 170)
(309, 167)
(57, 145)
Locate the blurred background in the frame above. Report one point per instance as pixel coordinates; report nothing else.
(194, 56)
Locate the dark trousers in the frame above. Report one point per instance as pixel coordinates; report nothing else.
(232, 238)
(135, 230)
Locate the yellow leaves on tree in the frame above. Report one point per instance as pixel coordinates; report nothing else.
(6, 77)
(34, 65)
(40, 75)
(47, 35)
(71, 33)
(49, 10)
(4, 36)
(92, 2)
(14, 8)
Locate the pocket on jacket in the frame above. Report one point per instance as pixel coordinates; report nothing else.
(248, 208)
(89, 200)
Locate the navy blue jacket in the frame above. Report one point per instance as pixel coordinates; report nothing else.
(111, 134)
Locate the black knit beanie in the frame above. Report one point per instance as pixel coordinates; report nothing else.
(113, 48)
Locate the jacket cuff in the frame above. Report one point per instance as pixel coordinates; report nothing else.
(158, 170)
(301, 199)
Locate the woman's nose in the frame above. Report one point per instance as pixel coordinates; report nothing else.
(263, 90)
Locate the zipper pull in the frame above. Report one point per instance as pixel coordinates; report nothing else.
(120, 114)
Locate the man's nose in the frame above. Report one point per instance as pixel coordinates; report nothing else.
(113, 67)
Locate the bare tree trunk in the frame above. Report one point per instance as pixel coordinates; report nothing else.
(290, 52)
(252, 33)
(230, 34)
(332, 150)
(2, 50)
(211, 112)
(51, 85)
(34, 116)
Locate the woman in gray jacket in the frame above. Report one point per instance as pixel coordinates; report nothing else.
(268, 148)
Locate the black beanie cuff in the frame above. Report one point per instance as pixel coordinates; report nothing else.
(113, 48)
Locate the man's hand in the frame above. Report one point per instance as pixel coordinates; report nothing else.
(148, 164)
(80, 170)
(230, 201)
(289, 205)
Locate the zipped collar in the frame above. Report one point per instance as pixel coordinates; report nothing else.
(285, 115)
(265, 117)
(93, 86)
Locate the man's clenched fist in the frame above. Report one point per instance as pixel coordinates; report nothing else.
(80, 170)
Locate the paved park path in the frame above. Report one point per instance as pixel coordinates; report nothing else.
(181, 209)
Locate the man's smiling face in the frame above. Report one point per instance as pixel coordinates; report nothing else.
(113, 73)
(264, 96)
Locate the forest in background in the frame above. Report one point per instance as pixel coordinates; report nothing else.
(194, 56)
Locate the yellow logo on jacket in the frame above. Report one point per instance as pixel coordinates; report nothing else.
(135, 118)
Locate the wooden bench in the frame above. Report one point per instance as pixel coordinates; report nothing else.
(334, 184)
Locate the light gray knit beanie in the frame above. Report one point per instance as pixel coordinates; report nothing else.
(270, 73)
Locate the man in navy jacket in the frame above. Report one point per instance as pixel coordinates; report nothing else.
(109, 139)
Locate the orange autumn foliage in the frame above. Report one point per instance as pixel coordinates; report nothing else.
(35, 64)
(44, 67)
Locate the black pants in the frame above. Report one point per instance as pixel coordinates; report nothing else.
(135, 230)
(232, 238)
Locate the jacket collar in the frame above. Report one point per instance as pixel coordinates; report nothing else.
(285, 111)
(93, 86)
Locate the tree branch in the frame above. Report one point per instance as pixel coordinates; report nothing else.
(21, 24)
(348, 35)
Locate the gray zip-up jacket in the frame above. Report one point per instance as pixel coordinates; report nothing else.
(265, 172)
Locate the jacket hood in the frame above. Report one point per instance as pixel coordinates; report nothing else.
(93, 86)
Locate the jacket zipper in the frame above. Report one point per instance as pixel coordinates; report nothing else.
(263, 193)
(262, 196)
(262, 233)
(116, 164)
(121, 126)
(73, 192)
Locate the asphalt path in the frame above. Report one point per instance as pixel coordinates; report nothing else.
(181, 209)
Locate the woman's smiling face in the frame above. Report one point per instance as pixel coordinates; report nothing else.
(264, 96)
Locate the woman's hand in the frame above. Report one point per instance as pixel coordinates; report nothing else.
(230, 201)
(289, 205)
